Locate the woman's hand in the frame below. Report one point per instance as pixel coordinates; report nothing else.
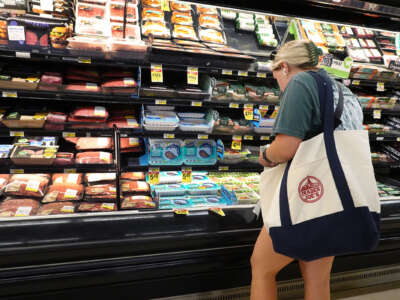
(264, 163)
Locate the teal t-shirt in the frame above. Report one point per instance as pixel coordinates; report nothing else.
(299, 113)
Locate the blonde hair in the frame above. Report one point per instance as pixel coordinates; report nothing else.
(302, 54)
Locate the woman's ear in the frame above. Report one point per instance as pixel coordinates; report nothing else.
(285, 68)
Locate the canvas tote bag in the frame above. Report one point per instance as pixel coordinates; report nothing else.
(325, 201)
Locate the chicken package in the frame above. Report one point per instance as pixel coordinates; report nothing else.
(117, 11)
(157, 29)
(97, 207)
(83, 87)
(133, 176)
(56, 208)
(11, 207)
(135, 187)
(136, 202)
(210, 21)
(180, 6)
(95, 178)
(184, 32)
(67, 178)
(94, 143)
(91, 112)
(123, 122)
(64, 192)
(101, 192)
(28, 185)
(212, 36)
(3, 181)
(182, 18)
(63, 159)
(90, 11)
(94, 157)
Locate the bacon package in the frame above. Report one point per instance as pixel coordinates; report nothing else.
(67, 178)
(88, 43)
(94, 157)
(11, 207)
(136, 202)
(211, 36)
(91, 178)
(207, 10)
(120, 85)
(132, 32)
(56, 208)
(133, 176)
(63, 192)
(135, 187)
(27, 185)
(94, 143)
(180, 6)
(97, 207)
(152, 14)
(101, 192)
(152, 3)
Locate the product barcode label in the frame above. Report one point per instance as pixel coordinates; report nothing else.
(67, 209)
(193, 75)
(32, 186)
(70, 193)
(157, 73)
(23, 211)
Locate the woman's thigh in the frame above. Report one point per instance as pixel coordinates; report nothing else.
(316, 270)
(265, 260)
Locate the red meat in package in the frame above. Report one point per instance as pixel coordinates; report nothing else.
(90, 11)
(51, 78)
(94, 143)
(63, 159)
(90, 74)
(55, 121)
(94, 157)
(11, 207)
(135, 187)
(56, 208)
(126, 82)
(97, 207)
(78, 123)
(27, 185)
(101, 192)
(123, 122)
(91, 112)
(135, 202)
(63, 192)
(117, 11)
(133, 176)
(83, 87)
(67, 178)
(117, 73)
(3, 180)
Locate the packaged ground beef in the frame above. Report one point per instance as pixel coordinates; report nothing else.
(56, 208)
(123, 122)
(63, 158)
(137, 202)
(135, 187)
(94, 157)
(133, 176)
(63, 192)
(27, 185)
(67, 178)
(11, 207)
(94, 143)
(97, 207)
(91, 112)
(101, 192)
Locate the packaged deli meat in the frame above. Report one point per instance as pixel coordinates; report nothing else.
(210, 21)
(91, 178)
(156, 29)
(212, 36)
(97, 207)
(152, 3)
(63, 159)
(182, 18)
(94, 143)
(67, 178)
(180, 6)
(132, 32)
(91, 112)
(90, 11)
(56, 208)
(184, 32)
(135, 202)
(11, 207)
(130, 143)
(133, 176)
(27, 186)
(94, 157)
(135, 187)
(101, 192)
(63, 192)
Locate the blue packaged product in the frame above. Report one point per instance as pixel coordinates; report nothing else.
(206, 188)
(208, 201)
(168, 190)
(198, 177)
(165, 152)
(200, 152)
(175, 202)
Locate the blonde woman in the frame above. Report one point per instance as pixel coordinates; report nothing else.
(298, 120)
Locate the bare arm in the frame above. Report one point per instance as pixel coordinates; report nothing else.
(282, 149)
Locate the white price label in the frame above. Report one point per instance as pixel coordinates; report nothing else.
(197, 103)
(380, 86)
(99, 111)
(226, 72)
(236, 138)
(377, 113)
(169, 136)
(379, 138)
(46, 5)
(67, 209)
(16, 33)
(32, 186)
(243, 73)
(10, 95)
(23, 211)
(202, 136)
(70, 194)
(23, 54)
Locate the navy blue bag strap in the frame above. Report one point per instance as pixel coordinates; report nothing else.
(325, 93)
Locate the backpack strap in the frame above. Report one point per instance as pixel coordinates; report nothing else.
(339, 107)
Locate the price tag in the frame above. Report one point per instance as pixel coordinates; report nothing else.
(236, 145)
(23, 54)
(275, 112)
(84, 60)
(17, 171)
(46, 5)
(380, 86)
(197, 103)
(249, 137)
(16, 33)
(67, 209)
(236, 138)
(187, 175)
(223, 168)
(217, 210)
(377, 113)
(264, 138)
(70, 194)
(109, 206)
(69, 171)
(17, 133)
(181, 212)
(154, 175)
(169, 136)
(248, 112)
(161, 102)
(226, 72)
(23, 211)
(263, 109)
(398, 139)
(32, 186)
(243, 73)
(202, 136)
(355, 82)
(68, 134)
(157, 73)
(379, 138)
(233, 105)
(261, 75)
(10, 95)
(193, 75)
(165, 5)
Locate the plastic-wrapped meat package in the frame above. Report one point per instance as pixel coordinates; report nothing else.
(94, 157)
(132, 176)
(63, 192)
(182, 18)
(3, 31)
(157, 29)
(56, 117)
(95, 178)
(66, 178)
(86, 73)
(91, 112)
(86, 42)
(209, 21)
(184, 32)
(11, 207)
(128, 45)
(136, 202)
(50, 81)
(152, 3)
(117, 73)
(212, 36)
(56, 208)
(123, 122)
(130, 143)
(27, 186)
(90, 11)
(94, 143)
(97, 207)
(117, 12)
(135, 187)
(101, 192)
(63, 159)
(78, 123)
(83, 87)
(180, 6)
(207, 10)
(120, 85)
(3, 181)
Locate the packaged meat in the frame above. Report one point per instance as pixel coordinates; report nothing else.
(51, 78)
(120, 83)
(80, 123)
(101, 192)
(152, 3)
(136, 202)
(210, 21)
(91, 178)
(67, 178)
(131, 31)
(94, 157)
(117, 73)
(184, 32)
(97, 207)
(27, 186)
(90, 112)
(88, 43)
(63, 192)
(182, 18)
(29, 176)
(133, 176)
(130, 143)
(90, 11)
(56, 208)
(123, 122)
(212, 36)
(128, 45)
(63, 159)
(135, 187)
(207, 10)
(5, 151)
(180, 6)
(156, 29)
(18, 207)
(3, 31)
(94, 143)
(33, 155)
(152, 14)
(83, 87)
(117, 12)
(3, 181)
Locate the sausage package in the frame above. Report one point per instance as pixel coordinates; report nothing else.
(137, 202)
(152, 3)
(56, 208)
(207, 10)
(27, 185)
(11, 207)
(94, 143)
(210, 21)
(133, 176)
(157, 29)
(135, 187)
(94, 157)
(67, 178)
(97, 207)
(63, 192)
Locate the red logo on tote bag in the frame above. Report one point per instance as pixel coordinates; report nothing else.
(311, 189)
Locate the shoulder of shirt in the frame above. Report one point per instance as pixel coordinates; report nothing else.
(303, 78)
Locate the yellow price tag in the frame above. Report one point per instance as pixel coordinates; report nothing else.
(261, 75)
(68, 134)
(84, 60)
(248, 112)
(181, 212)
(193, 75)
(226, 72)
(187, 175)
(154, 175)
(10, 95)
(69, 171)
(264, 138)
(233, 105)
(377, 113)
(237, 138)
(275, 113)
(197, 103)
(243, 73)
(223, 168)
(202, 136)
(217, 211)
(67, 209)
(156, 73)
(109, 206)
(356, 82)
(380, 86)
(17, 133)
(248, 137)
(169, 136)
(165, 5)
(17, 171)
(236, 145)
(161, 102)
(263, 109)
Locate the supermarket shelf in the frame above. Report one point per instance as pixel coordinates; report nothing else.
(389, 112)
(9, 168)
(388, 85)
(385, 137)
(242, 167)
(9, 132)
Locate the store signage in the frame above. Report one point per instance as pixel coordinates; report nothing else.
(157, 73)
(193, 75)
(377, 113)
(380, 86)
(248, 112)
(236, 142)
(337, 67)
(217, 210)
(181, 212)
(186, 175)
(154, 175)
